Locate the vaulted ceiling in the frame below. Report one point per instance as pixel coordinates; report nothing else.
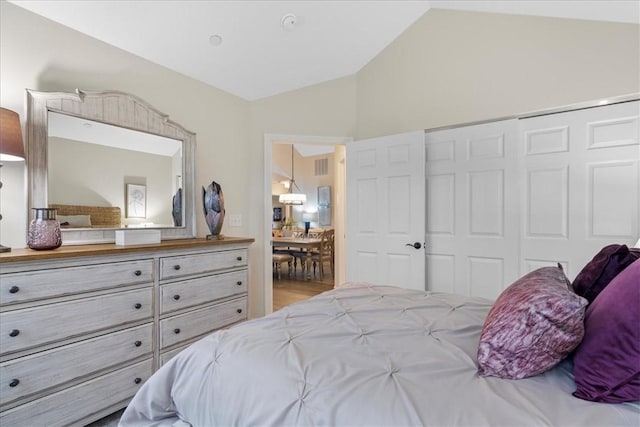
(255, 49)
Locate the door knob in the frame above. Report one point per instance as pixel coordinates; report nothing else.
(416, 245)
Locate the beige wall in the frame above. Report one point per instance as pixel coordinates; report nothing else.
(326, 109)
(39, 54)
(454, 67)
(91, 174)
(449, 67)
(306, 180)
(42, 55)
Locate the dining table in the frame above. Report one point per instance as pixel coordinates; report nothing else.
(307, 244)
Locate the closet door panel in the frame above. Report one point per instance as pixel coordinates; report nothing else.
(582, 185)
(472, 200)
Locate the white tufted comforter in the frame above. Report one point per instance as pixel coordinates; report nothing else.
(359, 355)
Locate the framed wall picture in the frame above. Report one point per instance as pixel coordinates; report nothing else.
(136, 201)
(277, 214)
(324, 206)
(324, 215)
(324, 196)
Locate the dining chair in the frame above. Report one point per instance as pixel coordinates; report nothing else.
(315, 233)
(326, 253)
(301, 254)
(278, 259)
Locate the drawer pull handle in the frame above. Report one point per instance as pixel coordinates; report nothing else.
(14, 333)
(138, 306)
(176, 267)
(239, 258)
(176, 297)
(138, 273)
(14, 290)
(137, 380)
(137, 343)
(239, 310)
(176, 330)
(239, 283)
(14, 382)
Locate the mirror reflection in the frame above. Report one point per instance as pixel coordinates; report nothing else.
(95, 164)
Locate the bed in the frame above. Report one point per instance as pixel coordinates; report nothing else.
(361, 355)
(79, 216)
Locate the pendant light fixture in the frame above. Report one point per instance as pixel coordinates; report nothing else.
(292, 198)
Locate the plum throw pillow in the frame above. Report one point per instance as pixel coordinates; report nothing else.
(534, 324)
(606, 365)
(604, 266)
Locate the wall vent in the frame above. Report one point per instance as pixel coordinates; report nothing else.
(322, 167)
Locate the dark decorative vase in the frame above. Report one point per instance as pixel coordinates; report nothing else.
(44, 230)
(176, 212)
(213, 204)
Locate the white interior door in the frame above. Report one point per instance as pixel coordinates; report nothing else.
(472, 209)
(386, 210)
(581, 184)
(505, 198)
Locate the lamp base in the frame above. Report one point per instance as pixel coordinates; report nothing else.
(4, 248)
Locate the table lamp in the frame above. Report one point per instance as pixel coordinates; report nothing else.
(11, 146)
(308, 217)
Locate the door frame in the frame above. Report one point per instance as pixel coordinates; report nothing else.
(339, 218)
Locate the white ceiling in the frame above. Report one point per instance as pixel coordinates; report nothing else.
(258, 57)
(84, 130)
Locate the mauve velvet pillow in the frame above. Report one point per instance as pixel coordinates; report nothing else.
(598, 272)
(606, 365)
(534, 324)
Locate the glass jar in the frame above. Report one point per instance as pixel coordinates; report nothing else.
(44, 230)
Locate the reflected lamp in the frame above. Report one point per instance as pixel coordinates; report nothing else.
(11, 145)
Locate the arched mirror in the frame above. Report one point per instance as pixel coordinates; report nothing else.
(106, 161)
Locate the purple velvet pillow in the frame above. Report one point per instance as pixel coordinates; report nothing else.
(607, 363)
(598, 272)
(534, 324)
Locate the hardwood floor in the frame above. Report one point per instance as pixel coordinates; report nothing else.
(288, 290)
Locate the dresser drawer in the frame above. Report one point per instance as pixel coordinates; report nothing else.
(30, 327)
(198, 322)
(33, 285)
(75, 403)
(168, 355)
(25, 376)
(179, 266)
(192, 292)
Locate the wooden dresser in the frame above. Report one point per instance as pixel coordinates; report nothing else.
(82, 327)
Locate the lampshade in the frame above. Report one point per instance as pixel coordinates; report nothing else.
(293, 198)
(310, 216)
(11, 148)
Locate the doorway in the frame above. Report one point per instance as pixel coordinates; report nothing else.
(338, 205)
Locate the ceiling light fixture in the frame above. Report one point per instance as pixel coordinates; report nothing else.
(288, 22)
(215, 40)
(292, 198)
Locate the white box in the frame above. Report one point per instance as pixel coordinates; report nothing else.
(137, 237)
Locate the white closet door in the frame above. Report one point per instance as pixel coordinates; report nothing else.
(472, 209)
(385, 210)
(580, 184)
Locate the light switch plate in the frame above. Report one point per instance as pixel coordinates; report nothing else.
(235, 220)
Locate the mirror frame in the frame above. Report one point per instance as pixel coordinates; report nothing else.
(113, 108)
